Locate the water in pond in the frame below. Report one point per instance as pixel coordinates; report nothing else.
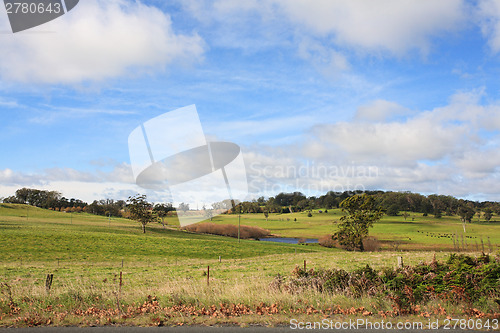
(288, 240)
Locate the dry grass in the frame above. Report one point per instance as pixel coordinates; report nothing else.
(239, 292)
(240, 302)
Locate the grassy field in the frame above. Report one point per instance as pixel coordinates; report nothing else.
(164, 272)
(417, 232)
(48, 236)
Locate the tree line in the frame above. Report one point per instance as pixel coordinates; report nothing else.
(54, 200)
(44, 199)
(391, 203)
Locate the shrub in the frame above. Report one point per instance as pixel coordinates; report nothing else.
(461, 280)
(371, 244)
(327, 241)
(229, 230)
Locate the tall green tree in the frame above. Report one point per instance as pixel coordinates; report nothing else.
(141, 210)
(162, 211)
(488, 214)
(361, 212)
(466, 212)
(393, 210)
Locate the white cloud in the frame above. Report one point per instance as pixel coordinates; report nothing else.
(285, 128)
(120, 173)
(479, 164)
(395, 142)
(5, 103)
(488, 12)
(11, 177)
(228, 7)
(325, 59)
(380, 110)
(328, 33)
(90, 191)
(97, 40)
(118, 183)
(49, 114)
(67, 174)
(250, 25)
(396, 26)
(447, 150)
(468, 107)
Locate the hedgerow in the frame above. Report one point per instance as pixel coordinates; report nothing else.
(461, 280)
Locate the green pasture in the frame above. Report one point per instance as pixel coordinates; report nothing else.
(416, 232)
(31, 234)
(35, 235)
(87, 254)
(33, 239)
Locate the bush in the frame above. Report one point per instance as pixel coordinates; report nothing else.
(371, 244)
(327, 241)
(462, 280)
(246, 232)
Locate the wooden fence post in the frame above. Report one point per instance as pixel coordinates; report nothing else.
(400, 262)
(119, 293)
(208, 275)
(48, 282)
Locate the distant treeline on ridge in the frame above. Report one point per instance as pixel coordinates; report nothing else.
(393, 203)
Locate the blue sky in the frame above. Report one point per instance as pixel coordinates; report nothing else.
(321, 95)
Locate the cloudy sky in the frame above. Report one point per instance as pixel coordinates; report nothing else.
(320, 94)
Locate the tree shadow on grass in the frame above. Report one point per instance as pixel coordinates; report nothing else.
(6, 206)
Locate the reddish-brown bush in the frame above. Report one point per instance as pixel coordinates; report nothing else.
(229, 230)
(327, 241)
(371, 244)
